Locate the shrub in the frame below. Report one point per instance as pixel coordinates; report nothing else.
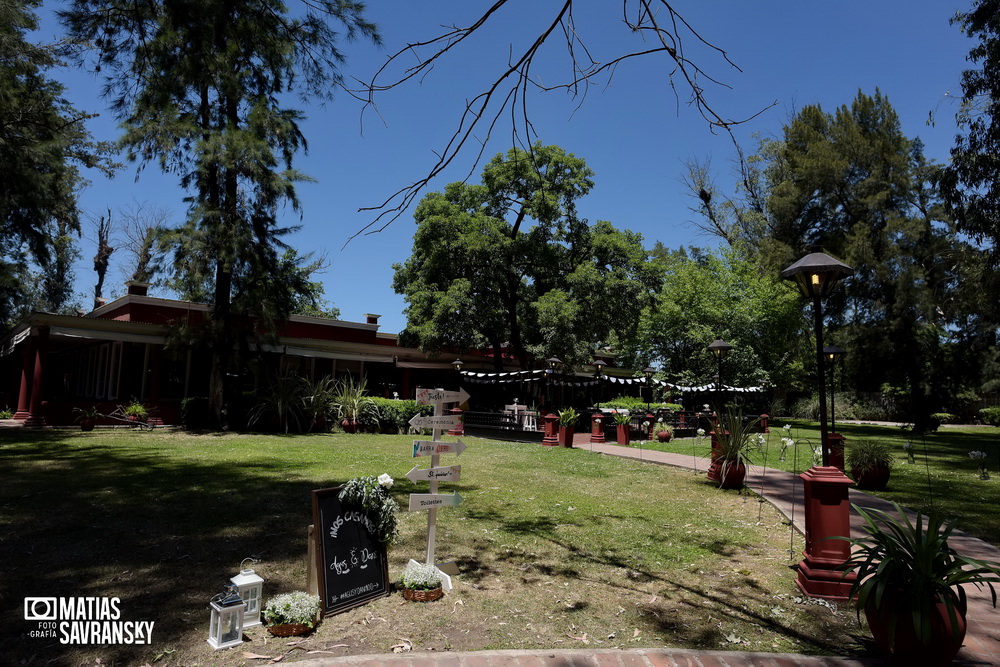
(990, 416)
(634, 404)
(867, 455)
(6, 413)
(394, 415)
(944, 418)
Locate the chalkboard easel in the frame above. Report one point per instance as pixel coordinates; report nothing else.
(352, 565)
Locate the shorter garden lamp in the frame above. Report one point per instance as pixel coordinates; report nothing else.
(226, 625)
(250, 587)
(552, 363)
(599, 364)
(720, 349)
(457, 365)
(648, 372)
(833, 353)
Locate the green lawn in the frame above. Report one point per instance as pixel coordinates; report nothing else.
(557, 548)
(942, 477)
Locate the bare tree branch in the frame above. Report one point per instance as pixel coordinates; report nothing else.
(654, 22)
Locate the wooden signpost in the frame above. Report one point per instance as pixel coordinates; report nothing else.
(430, 502)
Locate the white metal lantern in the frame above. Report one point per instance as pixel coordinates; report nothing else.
(250, 586)
(226, 627)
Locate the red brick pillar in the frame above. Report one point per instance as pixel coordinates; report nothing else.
(27, 370)
(827, 514)
(764, 425)
(35, 416)
(597, 427)
(460, 429)
(551, 429)
(651, 420)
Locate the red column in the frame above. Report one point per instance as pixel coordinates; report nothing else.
(35, 416)
(551, 438)
(27, 368)
(827, 514)
(597, 427)
(651, 420)
(460, 429)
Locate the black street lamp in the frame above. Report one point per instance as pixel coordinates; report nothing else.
(553, 363)
(833, 353)
(648, 372)
(599, 365)
(816, 275)
(720, 349)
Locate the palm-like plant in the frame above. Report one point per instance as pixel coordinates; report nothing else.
(351, 402)
(905, 569)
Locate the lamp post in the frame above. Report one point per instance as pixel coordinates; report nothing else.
(832, 353)
(816, 275)
(599, 365)
(648, 372)
(826, 504)
(719, 348)
(551, 436)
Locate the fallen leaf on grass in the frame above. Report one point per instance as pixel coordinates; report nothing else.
(405, 646)
(582, 638)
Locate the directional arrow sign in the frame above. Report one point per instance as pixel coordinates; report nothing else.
(431, 447)
(437, 421)
(447, 474)
(430, 501)
(432, 396)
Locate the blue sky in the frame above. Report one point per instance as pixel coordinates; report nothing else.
(635, 133)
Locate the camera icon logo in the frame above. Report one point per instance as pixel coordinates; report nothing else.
(40, 609)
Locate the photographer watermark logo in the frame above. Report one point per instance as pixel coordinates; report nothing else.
(84, 620)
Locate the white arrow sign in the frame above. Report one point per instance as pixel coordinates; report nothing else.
(437, 421)
(429, 501)
(431, 447)
(432, 396)
(446, 473)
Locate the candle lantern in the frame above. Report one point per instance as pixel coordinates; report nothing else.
(226, 628)
(250, 587)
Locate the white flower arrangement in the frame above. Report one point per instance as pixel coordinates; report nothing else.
(700, 432)
(420, 576)
(980, 458)
(385, 481)
(297, 607)
(786, 443)
(818, 456)
(371, 494)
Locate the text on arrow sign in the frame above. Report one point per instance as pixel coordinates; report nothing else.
(431, 447)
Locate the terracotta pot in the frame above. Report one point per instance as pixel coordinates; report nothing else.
(622, 434)
(664, 436)
(566, 434)
(940, 649)
(87, 424)
(875, 479)
(728, 475)
(349, 426)
(423, 596)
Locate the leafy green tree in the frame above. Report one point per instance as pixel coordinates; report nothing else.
(481, 275)
(43, 145)
(723, 294)
(199, 87)
(971, 182)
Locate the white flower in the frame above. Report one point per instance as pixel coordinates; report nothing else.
(705, 407)
(787, 427)
(977, 455)
(907, 445)
(787, 442)
(701, 433)
(385, 481)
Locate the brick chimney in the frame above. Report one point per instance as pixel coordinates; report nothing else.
(371, 319)
(137, 288)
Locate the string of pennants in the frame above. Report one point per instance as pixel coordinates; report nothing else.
(536, 375)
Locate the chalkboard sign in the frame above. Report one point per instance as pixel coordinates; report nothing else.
(352, 564)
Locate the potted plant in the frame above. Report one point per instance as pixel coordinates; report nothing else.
(421, 582)
(371, 494)
(317, 401)
(731, 449)
(622, 425)
(567, 426)
(352, 405)
(664, 432)
(909, 585)
(870, 462)
(294, 613)
(136, 411)
(87, 417)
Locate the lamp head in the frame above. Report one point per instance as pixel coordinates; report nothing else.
(817, 274)
(719, 348)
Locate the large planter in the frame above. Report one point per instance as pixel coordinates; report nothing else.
(566, 434)
(87, 424)
(873, 479)
(349, 426)
(622, 434)
(940, 649)
(663, 436)
(726, 474)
